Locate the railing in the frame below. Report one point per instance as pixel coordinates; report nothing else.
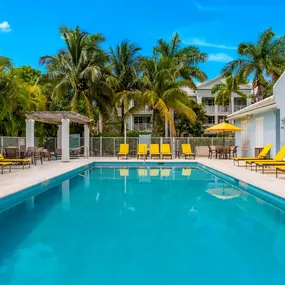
(224, 109)
(238, 107)
(209, 109)
(142, 127)
(105, 146)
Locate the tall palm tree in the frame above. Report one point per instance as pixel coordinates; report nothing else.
(125, 68)
(265, 57)
(162, 91)
(226, 89)
(80, 69)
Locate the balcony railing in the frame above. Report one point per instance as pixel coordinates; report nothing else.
(142, 126)
(209, 109)
(224, 109)
(238, 107)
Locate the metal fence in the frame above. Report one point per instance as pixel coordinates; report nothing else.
(109, 146)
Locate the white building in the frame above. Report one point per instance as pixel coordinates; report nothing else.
(215, 114)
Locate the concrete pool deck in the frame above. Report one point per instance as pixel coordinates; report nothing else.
(19, 179)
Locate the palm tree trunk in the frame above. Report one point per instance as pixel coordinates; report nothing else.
(172, 116)
(122, 116)
(154, 122)
(100, 123)
(165, 128)
(259, 93)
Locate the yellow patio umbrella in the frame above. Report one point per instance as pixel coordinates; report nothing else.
(223, 128)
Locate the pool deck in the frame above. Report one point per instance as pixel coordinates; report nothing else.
(20, 179)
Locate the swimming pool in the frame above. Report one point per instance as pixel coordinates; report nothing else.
(152, 225)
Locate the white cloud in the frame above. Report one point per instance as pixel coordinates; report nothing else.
(5, 27)
(220, 57)
(199, 42)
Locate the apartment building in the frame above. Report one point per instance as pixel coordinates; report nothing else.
(215, 113)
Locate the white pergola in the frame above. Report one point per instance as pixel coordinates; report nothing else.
(62, 119)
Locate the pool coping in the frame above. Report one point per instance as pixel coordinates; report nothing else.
(39, 187)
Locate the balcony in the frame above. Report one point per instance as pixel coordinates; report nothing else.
(142, 126)
(224, 109)
(209, 109)
(238, 107)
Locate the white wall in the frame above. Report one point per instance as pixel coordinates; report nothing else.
(279, 95)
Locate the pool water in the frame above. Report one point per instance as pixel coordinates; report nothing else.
(142, 226)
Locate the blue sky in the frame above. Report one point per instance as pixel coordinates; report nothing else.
(29, 29)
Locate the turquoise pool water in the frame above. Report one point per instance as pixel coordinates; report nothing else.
(142, 226)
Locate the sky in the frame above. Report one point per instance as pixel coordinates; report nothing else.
(29, 29)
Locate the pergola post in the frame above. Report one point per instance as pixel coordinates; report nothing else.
(86, 141)
(30, 133)
(65, 140)
(59, 137)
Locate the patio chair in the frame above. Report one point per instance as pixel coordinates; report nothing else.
(4, 164)
(35, 154)
(124, 151)
(210, 155)
(280, 169)
(58, 153)
(21, 161)
(154, 150)
(165, 150)
(142, 151)
(276, 161)
(262, 155)
(187, 151)
(11, 152)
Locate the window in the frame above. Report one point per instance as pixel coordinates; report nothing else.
(222, 119)
(244, 135)
(259, 132)
(138, 120)
(211, 120)
(209, 101)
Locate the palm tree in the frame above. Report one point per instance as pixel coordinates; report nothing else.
(266, 57)
(80, 69)
(125, 68)
(162, 91)
(226, 89)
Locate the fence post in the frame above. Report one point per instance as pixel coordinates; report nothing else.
(100, 146)
(173, 148)
(114, 147)
(160, 141)
(2, 145)
(212, 141)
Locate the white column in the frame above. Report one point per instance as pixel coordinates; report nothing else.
(86, 141)
(216, 114)
(232, 104)
(65, 195)
(59, 137)
(65, 140)
(30, 133)
(131, 122)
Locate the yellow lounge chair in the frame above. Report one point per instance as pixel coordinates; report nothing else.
(16, 160)
(3, 164)
(124, 150)
(277, 160)
(279, 168)
(142, 150)
(262, 155)
(187, 151)
(165, 150)
(154, 150)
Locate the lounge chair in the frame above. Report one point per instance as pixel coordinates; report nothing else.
(154, 150)
(124, 150)
(3, 164)
(262, 155)
(142, 150)
(165, 150)
(22, 161)
(279, 168)
(187, 151)
(276, 161)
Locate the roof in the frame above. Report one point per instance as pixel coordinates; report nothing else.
(259, 107)
(55, 117)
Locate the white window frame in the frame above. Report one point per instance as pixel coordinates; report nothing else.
(259, 132)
